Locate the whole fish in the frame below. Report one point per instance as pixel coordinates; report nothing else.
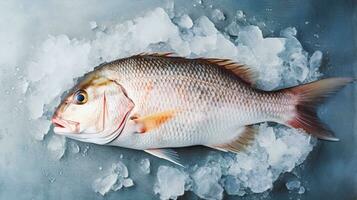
(153, 102)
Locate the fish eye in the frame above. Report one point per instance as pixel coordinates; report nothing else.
(80, 97)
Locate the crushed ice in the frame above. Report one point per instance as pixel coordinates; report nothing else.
(170, 182)
(279, 61)
(295, 186)
(57, 146)
(113, 179)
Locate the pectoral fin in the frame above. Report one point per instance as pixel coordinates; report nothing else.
(241, 142)
(150, 122)
(167, 154)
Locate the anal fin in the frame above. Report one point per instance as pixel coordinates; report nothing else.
(217, 148)
(240, 143)
(167, 154)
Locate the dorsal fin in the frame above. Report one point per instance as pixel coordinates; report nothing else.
(242, 71)
(240, 143)
(160, 54)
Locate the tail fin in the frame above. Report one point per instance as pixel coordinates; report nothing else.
(308, 97)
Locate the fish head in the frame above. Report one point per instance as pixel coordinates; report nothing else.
(95, 110)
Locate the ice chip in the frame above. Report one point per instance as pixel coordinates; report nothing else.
(128, 182)
(145, 166)
(40, 128)
(104, 184)
(169, 7)
(250, 36)
(73, 147)
(57, 146)
(233, 29)
(170, 183)
(120, 169)
(289, 32)
(293, 185)
(217, 15)
(93, 25)
(262, 54)
(185, 22)
(301, 190)
(206, 182)
(232, 185)
(117, 186)
(240, 15)
(315, 60)
(204, 27)
(113, 179)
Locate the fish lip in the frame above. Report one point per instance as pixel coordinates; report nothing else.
(64, 126)
(58, 123)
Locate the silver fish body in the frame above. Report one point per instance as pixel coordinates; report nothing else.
(213, 104)
(149, 102)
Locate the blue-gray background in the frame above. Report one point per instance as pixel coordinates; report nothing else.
(329, 172)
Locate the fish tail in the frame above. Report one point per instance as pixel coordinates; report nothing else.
(307, 98)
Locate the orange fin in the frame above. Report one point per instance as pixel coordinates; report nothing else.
(150, 122)
(240, 143)
(167, 154)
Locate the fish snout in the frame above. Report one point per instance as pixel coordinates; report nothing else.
(64, 126)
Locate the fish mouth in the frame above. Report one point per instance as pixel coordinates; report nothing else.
(64, 126)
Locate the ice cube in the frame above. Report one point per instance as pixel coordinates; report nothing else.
(40, 128)
(104, 184)
(233, 29)
(169, 7)
(170, 182)
(240, 15)
(185, 22)
(262, 54)
(128, 182)
(289, 32)
(301, 190)
(113, 179)
(93, 25)
(293, 185)
(145, 166)
(217, 15)
(73, 147)
(57, 146)
(120, 169)
(232, 185)
(117, 186)
(204, 27)
(206, 182)
(315, 60)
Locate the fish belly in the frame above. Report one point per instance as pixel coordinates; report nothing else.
(201, 119)
(211, 105)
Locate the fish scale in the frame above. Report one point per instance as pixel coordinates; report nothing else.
(211, 101)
